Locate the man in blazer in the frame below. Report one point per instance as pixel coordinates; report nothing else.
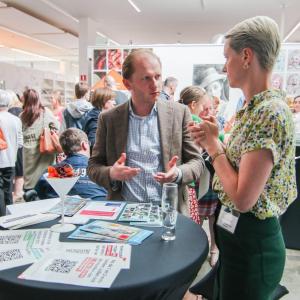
(144, 142)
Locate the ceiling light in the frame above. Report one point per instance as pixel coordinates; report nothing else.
(101, 34)
(291, 32)
(30, 37)
(33, 54)
(49, 3)
(134, 6)
(116, 43)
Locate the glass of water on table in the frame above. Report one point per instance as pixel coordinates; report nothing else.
(169, 203)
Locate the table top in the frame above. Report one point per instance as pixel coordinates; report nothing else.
(156, 266)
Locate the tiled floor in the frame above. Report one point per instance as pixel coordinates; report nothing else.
(291, 275)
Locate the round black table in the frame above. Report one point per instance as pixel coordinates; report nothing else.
(158, 270)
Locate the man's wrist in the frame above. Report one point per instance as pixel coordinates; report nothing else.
(178, 178)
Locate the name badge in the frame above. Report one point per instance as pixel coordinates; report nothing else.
(228, 218)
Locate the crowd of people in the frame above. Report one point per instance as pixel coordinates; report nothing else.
(127, 151)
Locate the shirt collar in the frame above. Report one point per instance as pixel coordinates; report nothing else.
(131, 112)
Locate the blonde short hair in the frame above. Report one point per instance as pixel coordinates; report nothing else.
(261, 34)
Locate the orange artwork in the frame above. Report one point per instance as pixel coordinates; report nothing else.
(117, 77)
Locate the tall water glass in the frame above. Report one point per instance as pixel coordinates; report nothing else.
(169, 203)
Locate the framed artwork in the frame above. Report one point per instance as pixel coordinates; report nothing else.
(212, 79)
(100, 59)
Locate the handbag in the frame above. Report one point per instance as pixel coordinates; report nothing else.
(3, 143)
(49, 140)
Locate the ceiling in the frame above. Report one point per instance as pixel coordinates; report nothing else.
(50, 28)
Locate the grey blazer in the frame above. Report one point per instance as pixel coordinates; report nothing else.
(111, 139)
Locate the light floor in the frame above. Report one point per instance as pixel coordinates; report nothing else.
(291, 275)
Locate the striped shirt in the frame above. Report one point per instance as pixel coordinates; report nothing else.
(143, 151)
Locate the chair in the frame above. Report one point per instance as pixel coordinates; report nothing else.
(205, 286)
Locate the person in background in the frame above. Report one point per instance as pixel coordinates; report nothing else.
(109, 82)
(144, 142)
(102, 100)
(169, 88)
(255, 173)
(35, 117)
(75, 112)
(12, 130)
(15, 108)
(75, 145)
(56, 105)
(201, 106)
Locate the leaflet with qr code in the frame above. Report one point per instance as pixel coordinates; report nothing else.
(10, 258)
(30, 238)
(119, 251)
(75, 269)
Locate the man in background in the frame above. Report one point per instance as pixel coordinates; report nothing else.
(74, 114)
(110, 82)
(11, 127)
(75, 145)
(169, 88)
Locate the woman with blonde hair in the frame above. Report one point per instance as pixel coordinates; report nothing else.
(102, 99)
(255, 173)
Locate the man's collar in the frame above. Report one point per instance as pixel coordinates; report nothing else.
(131, 112)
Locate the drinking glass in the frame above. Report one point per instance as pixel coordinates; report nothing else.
(169, 203)
(62, 186)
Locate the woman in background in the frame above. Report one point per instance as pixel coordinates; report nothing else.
(201, 105)
(102, 100)
(35, 117)
(256, 171)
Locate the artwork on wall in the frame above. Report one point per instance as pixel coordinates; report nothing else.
(212, 79)
(108, 61)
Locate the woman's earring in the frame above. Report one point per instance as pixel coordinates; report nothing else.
(246, 66)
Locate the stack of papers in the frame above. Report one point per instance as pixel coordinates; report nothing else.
(16, 221)
(142, 214)
(81, 264)
(71, 206)
(111, 232)
(21, 247)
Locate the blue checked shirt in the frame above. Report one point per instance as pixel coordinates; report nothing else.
(143, 151)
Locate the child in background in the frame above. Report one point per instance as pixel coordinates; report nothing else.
(201, 105)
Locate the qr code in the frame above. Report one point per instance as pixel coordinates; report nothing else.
(10, 255)
(61, 266)
(10, 239)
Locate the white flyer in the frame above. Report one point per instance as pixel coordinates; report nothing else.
(15, 257)
(30, 238)
(119, 251)
(75, 269)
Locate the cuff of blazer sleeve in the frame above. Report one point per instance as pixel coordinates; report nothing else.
(179, 176)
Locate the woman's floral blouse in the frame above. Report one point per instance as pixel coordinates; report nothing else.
(266, 123)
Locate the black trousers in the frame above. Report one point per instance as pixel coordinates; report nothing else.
(6, 186)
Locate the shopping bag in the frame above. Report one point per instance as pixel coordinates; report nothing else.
(3, 144)
(49, 141)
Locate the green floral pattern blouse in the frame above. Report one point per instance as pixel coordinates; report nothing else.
(266, 123)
